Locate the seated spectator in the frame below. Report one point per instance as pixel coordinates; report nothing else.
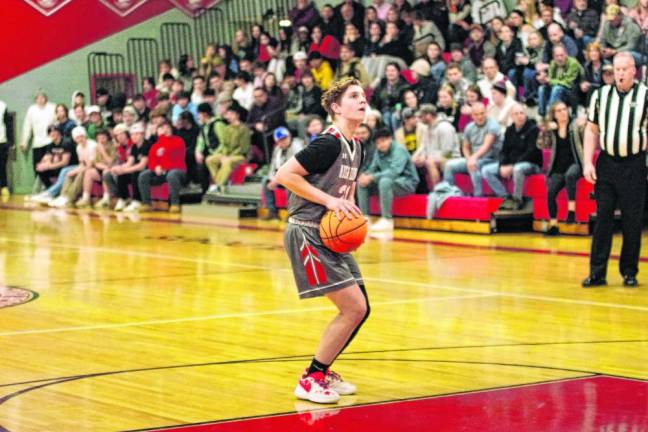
(425, 33)
(520, 158)
(129, 116)
(448, 105)
(482, 143)
(353, 39)
(183, 104)
(437, 142)
(96, 122)
(393, 45)
(391, 173)
(406, 134)
(426, 87)
(331, 23)
(285, 148)
(232, 151)
(188, 130)
(63, 122)
(142, 111)
(593, 71)
(561, 80)
(456, 82)
(81, 117)
(198, 89)
(620, 33)
(583, 23)
(460, 19)
(149, 92)
(507, 51)
(639, 14)
(314, 127)
(388, 93)
(266, 115)
(106, 155)
(492, 75)
(125, 172)
(166, 164)
(473, 96)
(376, 34)
(468, 69)
(59, 155)
(501, 105)
(434, 56)
(72, 183)
(211, 133)
(479, 48)
(365, 135)
(321, 70)
(556, 36)
(565, 168)
(527, 64)
(244, 90)
(350, 65)
(303, 14)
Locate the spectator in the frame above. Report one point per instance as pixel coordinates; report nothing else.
(302, 42)
(520, 158)
(6, 137)
(81, 117)
(350, 65)
(352, 11)
(507, 51)
(149, 92)
(460, 18)
(285, 148)
(482, 143)
(72, 183)
(479, 48)
(557, 36)
(183, 104)
(393, 45)
(244, 90)
(105, 103)
(467, 67)
(425, 33)
(164, 70)
(242, 46)
(266, 115)
(382, 8)
(186, 69)
(166, 164)
(105, 156)
(528, 62)
(562, 79)
(364, 134)
(303, 14)
(78, 98)
(62, 121)
(434, 56)
(353, 38)
(484, 11)
(129, 116)
(473, 96)
(389, 93)
(188, 130)
(198, 90)
(212, 133)
(311, 97)
(406, 134)
(501, 105)
(300, 59)
(491, 76)
(60, 153)
(330, 22)
(437, 142)
(232, 151)
(96, 122)
(374, 39)
(620, 33)
(639, 14)
(124, 174)
(583, 23)
(391, 173)
(38, 117)
(448, 105)
(321, 70)
(455, 80)
(314, 127)
(565, 168)
(593, 71)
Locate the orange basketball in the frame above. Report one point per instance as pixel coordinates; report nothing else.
(344, 235)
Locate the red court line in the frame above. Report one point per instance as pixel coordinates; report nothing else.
(396, 239)
(583, 404)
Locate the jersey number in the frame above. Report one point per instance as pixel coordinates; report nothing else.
(346, 190)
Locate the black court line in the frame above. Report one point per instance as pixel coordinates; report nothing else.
(386, 401)
(303, 356)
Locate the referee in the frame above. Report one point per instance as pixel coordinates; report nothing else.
(617, 124)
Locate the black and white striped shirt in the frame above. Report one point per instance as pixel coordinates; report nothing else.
(621, 119)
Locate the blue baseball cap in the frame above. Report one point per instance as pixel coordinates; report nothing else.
(281, 133)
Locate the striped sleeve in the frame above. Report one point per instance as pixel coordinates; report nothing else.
(593, 109)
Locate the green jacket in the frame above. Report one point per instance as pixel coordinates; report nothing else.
(566, 75)
(236, 141)
(626, 37)
(211, 135)
(395, 163)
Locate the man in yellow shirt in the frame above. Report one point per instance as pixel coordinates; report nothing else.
(321, 70)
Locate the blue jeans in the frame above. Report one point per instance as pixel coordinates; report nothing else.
(555, 93)
(55, 189)
(268, 194)
(386, 188)
(460, 166)
(521, 171)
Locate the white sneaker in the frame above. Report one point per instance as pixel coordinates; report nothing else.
(103, 203)
(383, 224)
(336, 383)
(121, 205)
(314, 388)
(82, 202)
(133, 206)
(213, 189)
(60, 202)
(41, 198)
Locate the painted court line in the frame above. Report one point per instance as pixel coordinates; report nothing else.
(232, 315)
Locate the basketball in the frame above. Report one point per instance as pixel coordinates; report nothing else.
(344, 235)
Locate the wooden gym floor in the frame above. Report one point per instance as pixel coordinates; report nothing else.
(146, 323)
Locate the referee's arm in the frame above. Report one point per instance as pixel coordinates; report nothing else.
(591, 138)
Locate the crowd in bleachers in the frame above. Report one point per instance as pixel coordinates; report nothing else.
(454, 87)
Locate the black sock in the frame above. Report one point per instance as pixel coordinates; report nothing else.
(317, 366)
(571, 216)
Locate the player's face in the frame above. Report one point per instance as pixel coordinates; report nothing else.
(353, 103)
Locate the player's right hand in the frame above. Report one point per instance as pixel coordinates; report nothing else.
(343, 207)
(589, 172)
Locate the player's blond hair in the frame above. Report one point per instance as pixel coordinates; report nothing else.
(335, 92)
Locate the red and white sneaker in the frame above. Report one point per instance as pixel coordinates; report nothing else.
(335, 382)
(314, 388)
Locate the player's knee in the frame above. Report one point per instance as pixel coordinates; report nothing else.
(357, 312)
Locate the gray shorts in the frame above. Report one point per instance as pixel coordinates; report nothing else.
(317, 269)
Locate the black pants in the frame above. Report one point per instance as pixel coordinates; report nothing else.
(621, 182)
(37, 155)
(46, 176)
(557, 181)
(4, 154)
(119, 186)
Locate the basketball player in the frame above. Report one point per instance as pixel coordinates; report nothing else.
(323, 176)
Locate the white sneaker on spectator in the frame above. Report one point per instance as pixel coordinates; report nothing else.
(133, 206)
(82, 202)
(60, 202)
(41, 198)
(121, 205)
(383, 224)
(103, 203)
(213, 189)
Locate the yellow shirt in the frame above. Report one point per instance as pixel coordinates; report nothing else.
(323, 75)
